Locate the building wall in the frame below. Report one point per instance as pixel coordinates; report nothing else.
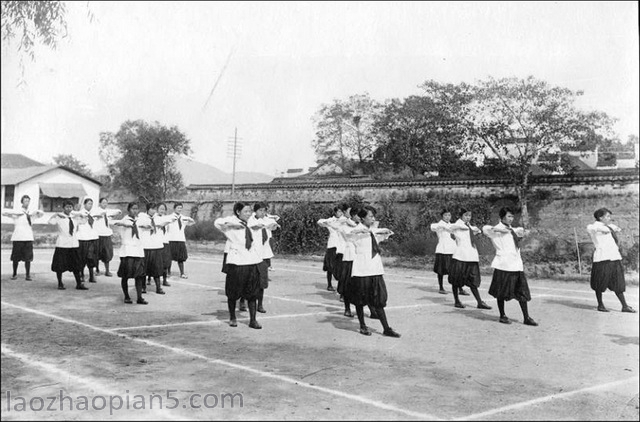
(31, 187)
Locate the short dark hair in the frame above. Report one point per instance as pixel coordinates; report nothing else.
(259, 205)
(67, 202)
(130, 205)
(87, 200)
(364, 211)
(162, 204)
(601, 212)
(237, 207)
(23, 197)
(102, 199)
(344, 206)
(444, 211)
(151, 205)
(177, 204)
(463, 211)
(504, 211)
(355, 210)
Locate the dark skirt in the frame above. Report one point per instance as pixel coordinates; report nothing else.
(263, 268)
(166, 257)
(22, 250)
(178, 251)
(442, 264)
(329, 260)
(89, 253)
(370, 290)
(153, 262)
(66, 259)
(243, 281)
(105, 249)
(224, 263)
(131, 267)
(343, 275)
(336, 268)
(507, 285)
(608, 275)
(268, 261)
(462, 273)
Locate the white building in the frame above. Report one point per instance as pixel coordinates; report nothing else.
(47, 185)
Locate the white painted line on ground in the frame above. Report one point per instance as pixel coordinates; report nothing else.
(588, 299)
(73, 381)
(539, 400)
(370, 402)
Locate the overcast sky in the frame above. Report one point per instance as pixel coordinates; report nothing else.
(159, 61)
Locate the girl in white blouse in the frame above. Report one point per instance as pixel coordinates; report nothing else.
(243, 276)
(131, 254)
(509, 281)
(367, 286)
(465, 267)
(152, 243)
(333, 243)
(66, 256)
(607, 270)
(22, 237)
(177, 240)
(166, 249)
(444, 249)
(88, 238)
(103, 216)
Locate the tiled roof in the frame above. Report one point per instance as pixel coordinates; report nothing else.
(13, 176)
(17, 161)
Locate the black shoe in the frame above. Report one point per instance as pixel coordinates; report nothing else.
(374, 315)
(463, 292)
(108, 274)
(144, 292)
(233, 323)
(14, 277)
(160, 292)
(628, 309)
(459, 305)
(483, 305)
(142, 302)
(242, 307)
(330, 289)
(442, 291)
(530, 321)
(504, 320)
(61, 287)
(601, 308)
(341, 298)
(164, 283)
(28, 278)
(81, 287)
(390, 333)
(348, 314)
(255, 325)
(365, 331)
(128, 300)
(93, 280)
(261, 310)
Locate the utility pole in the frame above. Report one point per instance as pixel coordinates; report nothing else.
(233, 151)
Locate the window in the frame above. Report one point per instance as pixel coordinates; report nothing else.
(54, 204)
(9, 192)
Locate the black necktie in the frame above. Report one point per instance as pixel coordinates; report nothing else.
(90, 220)
(106, 219)
(375, 249)
(180, 223)
(153, 225)
(28, 217)
(164, 230)
(248, 238)
(613, 234)
(473, 240)
(516, 239)
(265, 237)
(134, 230)
(70, 226)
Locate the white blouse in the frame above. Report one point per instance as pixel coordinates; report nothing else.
(175, 233)
(131, 246)
(22, 231)
(238, 254)
(102, 224)
(464, 250)
(507, 255)
(364, 264)
(446, 244)
(266, 251)
(64, 239)
(334, 240)
(87, 231)
(606, 248)
(152, 240)
(349, 247)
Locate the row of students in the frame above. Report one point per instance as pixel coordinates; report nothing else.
(247, 258)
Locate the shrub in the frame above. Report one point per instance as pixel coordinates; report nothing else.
(299, 232)
(203, 230)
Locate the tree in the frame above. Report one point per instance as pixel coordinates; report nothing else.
(413, 134)
(68, 160)
(515, 122)
(345, 129)
(141, 158)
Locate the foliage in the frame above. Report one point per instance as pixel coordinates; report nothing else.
(141, 158)
(68, 160)
(344, 130)
(299, 232)
(204, 230)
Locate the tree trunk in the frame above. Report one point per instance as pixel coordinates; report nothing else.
(523, 190)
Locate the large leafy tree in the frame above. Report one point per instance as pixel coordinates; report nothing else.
(141, 158)
(521, 123)
(68, 160)
(345, 129)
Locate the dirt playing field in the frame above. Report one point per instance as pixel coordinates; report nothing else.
(87, 349)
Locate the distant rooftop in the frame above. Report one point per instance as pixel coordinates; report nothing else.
(18, 161)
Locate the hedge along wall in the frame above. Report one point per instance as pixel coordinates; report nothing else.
(560, 208)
